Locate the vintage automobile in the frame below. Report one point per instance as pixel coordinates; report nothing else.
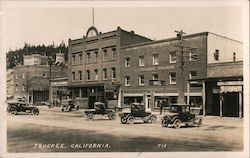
(99, 109)
(137, 111)
(14, 107)
(68, 105)
(179, 115)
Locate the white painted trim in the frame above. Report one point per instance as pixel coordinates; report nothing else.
(159, 94)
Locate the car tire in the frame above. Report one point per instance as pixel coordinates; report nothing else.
(112, 116)
(90, 116)
(13, 111)
(164, 123)
(131, 120)
(152, 119)
(35, 111)
(177, 123)
(123, 120)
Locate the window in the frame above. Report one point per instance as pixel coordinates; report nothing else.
(172, 78)
(73, 76)
(73, 59)
(16, 77)
(23, 87)
(192, 74)
(216, 54)
(105, 54)
(155, 59)
(80, 58)
(155, 76)
(141, 61)
(127, 62)
(113, 73)
(80, 75)
(234, 57)
(127, 80)
(96, 74)
(104, 74)
(113, 53)
(141, 80)
(88, 75)
(192, 56)
(16, 87)
(96, 56)
(23, 75)
(88, 57)
(172, 57)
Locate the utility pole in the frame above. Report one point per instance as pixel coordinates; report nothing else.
(50, 63)
(180, 77)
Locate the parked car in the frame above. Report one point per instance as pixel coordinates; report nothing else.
(137, 111)
(69, 105)
(99, 109)
(14, 107)
(180, 115)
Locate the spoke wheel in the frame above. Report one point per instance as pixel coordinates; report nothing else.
(35, 111)
(164, 123)
(153, 119)
(123, 120)
(112, 116)
(177, 123)
(90, 116)
(131, 120)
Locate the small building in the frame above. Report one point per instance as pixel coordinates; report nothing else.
(35, 59)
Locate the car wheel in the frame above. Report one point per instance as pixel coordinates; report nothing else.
(90, 116)
(112, 116)
(13, 111)
(131, 120)
(177, 123)
(35, 111)
(123, 120)
(153, 119)
(164, 123)
(199, 123)
(145, 120)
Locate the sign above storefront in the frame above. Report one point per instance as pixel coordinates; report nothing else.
(230, 83)
(231, 89)
(148, 69)
(60, 83)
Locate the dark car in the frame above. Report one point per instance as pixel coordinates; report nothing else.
(69, 105)
(137, 111)
(180, 115)
(99, 109)
(14, 107)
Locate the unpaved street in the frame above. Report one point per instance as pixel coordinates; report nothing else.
(58, 131)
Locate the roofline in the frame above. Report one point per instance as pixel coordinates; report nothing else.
(164, 40)
(225, 37)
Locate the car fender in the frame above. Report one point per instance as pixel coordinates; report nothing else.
(174, 118)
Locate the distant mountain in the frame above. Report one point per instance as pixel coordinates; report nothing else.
(15, 57)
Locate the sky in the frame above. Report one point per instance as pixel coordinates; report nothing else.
(53, 23)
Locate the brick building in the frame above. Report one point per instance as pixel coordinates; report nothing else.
(94, 65)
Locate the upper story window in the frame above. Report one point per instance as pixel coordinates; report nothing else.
(88, 74)
(172, 78)
(127, 80)
(105, 54)
(155, 59)
(113, 73)
(80, 58)
(16, 87)
(23, 87)
(73, 76)
(155, 76)
(80, 75)
(192, 74)
(172, 57)
(96, 74)
(23, 75)
(141, 61)
(73, 59)
(113, 53)
(216, 54)
(127, 62)
(16, 76)
(96, 56)
(141, 80)
(104, 74)
(192, 56)
(88, 57)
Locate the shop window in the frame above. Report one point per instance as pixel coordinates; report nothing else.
(172, 78)
(155, 59)
(172, 57)
(141, 80)
(127, 62)
(127, 80)
(141, 61)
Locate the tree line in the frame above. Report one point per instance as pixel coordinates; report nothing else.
(15, 57)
